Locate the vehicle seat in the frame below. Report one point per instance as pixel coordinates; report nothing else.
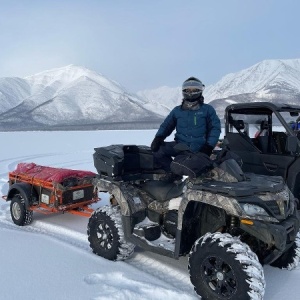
(239, 125)
(162, 190)
(240, 141)
(264, 128)
(262, 136)
(266, 143)
(280, 138)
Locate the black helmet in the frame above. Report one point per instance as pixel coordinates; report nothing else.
(192, 89)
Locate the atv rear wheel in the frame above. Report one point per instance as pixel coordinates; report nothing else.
(19, 214)
(223, 267)
(290, 259)
(106, 236)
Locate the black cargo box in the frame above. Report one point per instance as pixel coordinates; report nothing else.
(118, 160)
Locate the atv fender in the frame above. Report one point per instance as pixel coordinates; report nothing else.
(24, 189)
(120, 194)
(282, 235)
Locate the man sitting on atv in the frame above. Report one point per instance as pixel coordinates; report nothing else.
(197, 128)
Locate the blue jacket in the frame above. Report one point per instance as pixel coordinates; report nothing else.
(193, 127)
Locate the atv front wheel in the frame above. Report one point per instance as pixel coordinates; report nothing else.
(290, 259)
(223, 267)
(19, 214)
(106, 236)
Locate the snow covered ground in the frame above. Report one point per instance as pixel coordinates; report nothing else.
(51, 258)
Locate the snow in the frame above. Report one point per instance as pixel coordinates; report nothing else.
(12, 92)
(63, 76)
(258, 78)
(167, 96)
(51, 258)
(72, 95)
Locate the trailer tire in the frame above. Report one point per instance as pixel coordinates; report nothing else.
(106, 236)
(223, 267)
(289, 260)
(19, 214)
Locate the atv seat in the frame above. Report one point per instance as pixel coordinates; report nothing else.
(161, 190)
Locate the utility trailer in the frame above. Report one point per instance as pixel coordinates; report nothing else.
(49, 190)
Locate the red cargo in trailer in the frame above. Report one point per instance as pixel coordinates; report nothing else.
(49, 190)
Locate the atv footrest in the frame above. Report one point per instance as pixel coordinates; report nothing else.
(149, 232)
(147, 229)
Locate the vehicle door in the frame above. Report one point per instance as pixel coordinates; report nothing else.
(261, 144)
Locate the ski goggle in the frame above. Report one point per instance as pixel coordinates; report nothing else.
(193, 84)
(191, 90)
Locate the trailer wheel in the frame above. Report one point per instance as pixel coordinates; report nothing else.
(222, 267)
(290, 259)
(106, 236)
(19, 214)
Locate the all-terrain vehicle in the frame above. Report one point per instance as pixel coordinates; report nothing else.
(267, 138)
(227, 221)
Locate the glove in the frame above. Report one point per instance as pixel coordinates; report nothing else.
(156, 143)
(207, 149)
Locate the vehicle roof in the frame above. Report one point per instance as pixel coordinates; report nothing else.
(261, 107)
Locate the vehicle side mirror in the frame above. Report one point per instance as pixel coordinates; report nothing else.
(291, 144)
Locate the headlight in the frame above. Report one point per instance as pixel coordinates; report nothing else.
(253, 210)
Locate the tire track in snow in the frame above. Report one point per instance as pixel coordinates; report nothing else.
(170, 274)
(72, 164)
(167, 272)
(175, 277)
(13, 162)
(3, 186)
(70, 237)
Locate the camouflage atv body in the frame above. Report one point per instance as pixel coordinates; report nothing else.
(228, 222)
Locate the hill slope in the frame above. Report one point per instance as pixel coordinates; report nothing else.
(71, 96)
(269, 80)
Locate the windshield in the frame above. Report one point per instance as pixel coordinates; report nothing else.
(268, 131)
(263, 124)
(252, 123)
(293, 120)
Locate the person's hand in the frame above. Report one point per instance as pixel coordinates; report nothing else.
(156, 143)
(207, 149)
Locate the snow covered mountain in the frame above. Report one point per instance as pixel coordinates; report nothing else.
(265, 79)
(71, 97)
(74, 97)
(167, 96)
(274, 81)
(269, 80)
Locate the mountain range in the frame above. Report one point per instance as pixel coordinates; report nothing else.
(74, 97)
(275, 81)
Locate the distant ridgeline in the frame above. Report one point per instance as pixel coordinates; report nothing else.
(6, 126)
(76, 98)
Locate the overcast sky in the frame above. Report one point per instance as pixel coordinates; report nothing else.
(147, 44)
